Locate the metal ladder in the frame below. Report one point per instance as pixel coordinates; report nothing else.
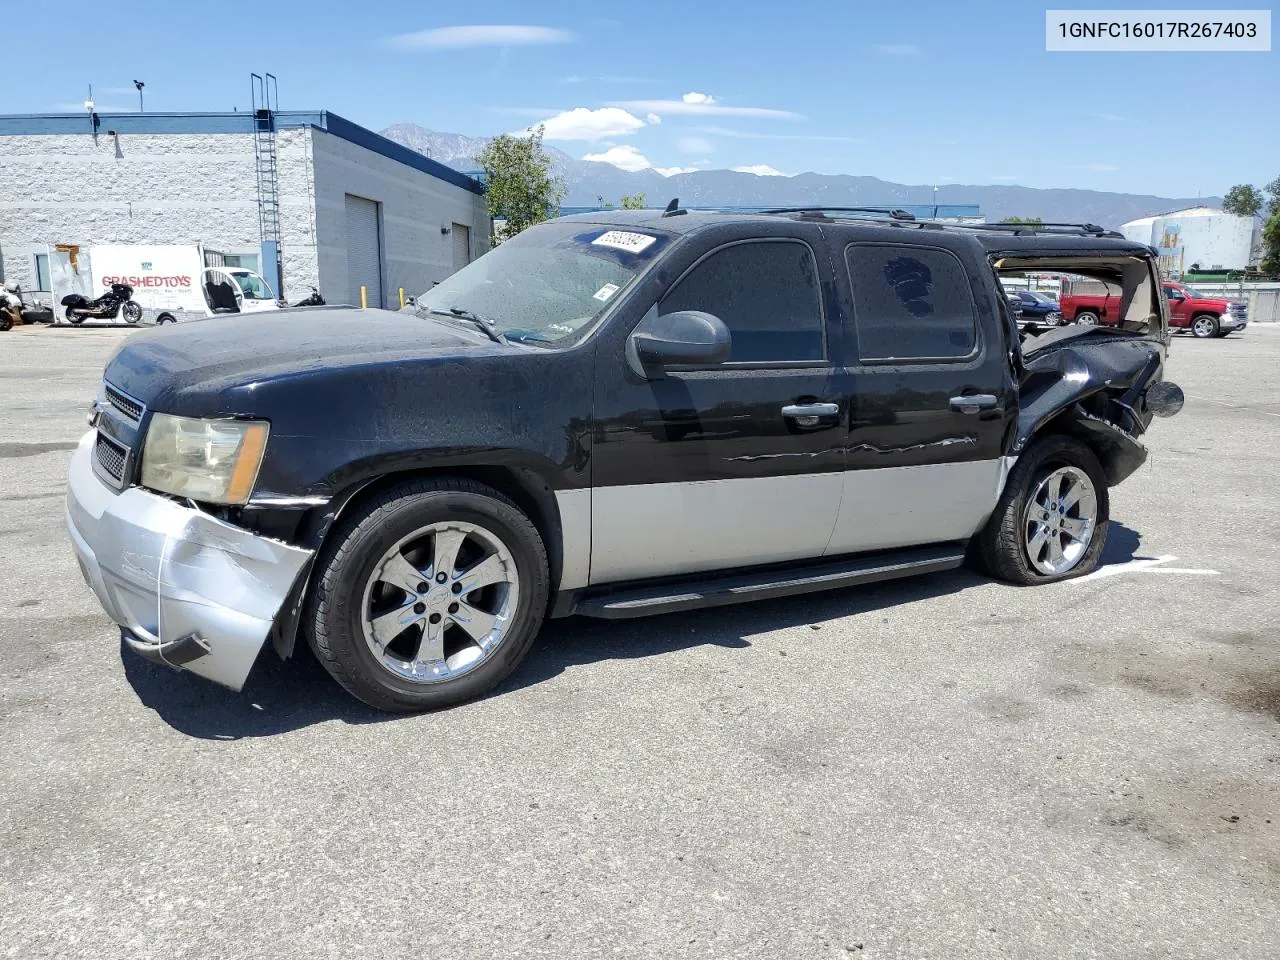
(266, 103)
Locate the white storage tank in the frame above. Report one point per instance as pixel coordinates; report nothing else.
(1207, 237)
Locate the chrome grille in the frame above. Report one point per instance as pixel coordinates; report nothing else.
(1238, 310)
(130, 407)
(111, 457)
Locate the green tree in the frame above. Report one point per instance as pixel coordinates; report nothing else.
(1029, 221)
(1272, 190)
(521, 189)
(633, 201)
(1271, 242)
(1244, 200)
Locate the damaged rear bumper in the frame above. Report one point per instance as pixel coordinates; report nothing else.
(189, 590)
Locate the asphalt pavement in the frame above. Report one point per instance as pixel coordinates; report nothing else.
(937, 768)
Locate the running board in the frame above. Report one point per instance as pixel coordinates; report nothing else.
(715, 591)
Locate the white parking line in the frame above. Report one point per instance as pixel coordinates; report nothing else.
(1144, 565)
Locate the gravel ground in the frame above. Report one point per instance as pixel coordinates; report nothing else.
(943, 767)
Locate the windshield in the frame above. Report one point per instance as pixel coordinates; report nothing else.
(1043, 298)
(253, 286)
(1193, 293)
(549, 282)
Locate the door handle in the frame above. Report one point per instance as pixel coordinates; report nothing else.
(799, 410)
(810, 415)
(974, 402)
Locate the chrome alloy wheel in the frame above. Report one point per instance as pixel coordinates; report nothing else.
(440, 602)
(1204, 327)
(1059, 520)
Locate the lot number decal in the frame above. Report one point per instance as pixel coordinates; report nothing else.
(623, 240)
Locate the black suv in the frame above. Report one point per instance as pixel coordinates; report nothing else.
(613, 414)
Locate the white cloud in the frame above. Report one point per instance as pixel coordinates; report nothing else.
(751, 135)
(760, 170)
(695, 145)
(580, 123)
(572, 78)
(653, 119)
(624, 157)
(672, 171)
(456, 38)
(684, 108)
(537, 113)
(898, 49)
(703, 98)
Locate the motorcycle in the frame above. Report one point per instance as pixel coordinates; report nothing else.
(313, 300)
(106, 307)
(10, 306)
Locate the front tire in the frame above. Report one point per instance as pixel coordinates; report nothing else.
(131, 311)
(1052, 518)
(1205, 327)
(428, 596)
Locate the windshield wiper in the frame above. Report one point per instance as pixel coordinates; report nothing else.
(484, 323)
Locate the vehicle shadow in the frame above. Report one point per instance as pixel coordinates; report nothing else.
(282, 696)
(1122, 545)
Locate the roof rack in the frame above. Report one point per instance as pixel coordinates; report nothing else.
(884, 211)
(904, 218)
(1034, 229)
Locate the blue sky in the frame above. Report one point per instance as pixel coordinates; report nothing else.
(918, 93)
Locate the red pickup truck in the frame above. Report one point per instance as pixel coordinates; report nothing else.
(1204, 316)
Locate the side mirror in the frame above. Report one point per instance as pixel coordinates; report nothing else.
(683, 337)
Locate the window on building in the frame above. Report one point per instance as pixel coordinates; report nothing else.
(42, 272)
(910, 303)
(246, 261)
(766, 292)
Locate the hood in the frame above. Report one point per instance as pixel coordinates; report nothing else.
(225, 352)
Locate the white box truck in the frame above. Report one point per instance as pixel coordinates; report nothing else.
(170, 282)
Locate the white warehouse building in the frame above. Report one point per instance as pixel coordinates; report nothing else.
(337, 206)
(1204, 237)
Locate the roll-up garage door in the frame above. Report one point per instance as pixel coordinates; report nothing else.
(364, 253)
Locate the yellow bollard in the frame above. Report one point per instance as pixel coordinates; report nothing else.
(402, 298)
(364, 298)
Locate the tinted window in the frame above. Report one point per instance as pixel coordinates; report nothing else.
(767, 295)
(910, 303)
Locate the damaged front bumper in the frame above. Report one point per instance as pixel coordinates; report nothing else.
(189, 590)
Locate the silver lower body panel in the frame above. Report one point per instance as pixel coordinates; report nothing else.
(175, 577)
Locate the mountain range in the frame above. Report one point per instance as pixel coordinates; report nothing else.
(589, 181)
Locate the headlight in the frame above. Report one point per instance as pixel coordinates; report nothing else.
(215, 461)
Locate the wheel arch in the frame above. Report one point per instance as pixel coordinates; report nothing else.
(529, 490)
(1119, 453)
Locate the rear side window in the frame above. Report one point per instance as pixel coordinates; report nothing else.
(766, 292)
(910, 303)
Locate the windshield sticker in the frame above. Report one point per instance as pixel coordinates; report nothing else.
(623, 240)
(605, 292)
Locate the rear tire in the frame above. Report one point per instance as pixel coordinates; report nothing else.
(1205, 327)
(1025, 517)
(414, 647)
(1087, 318)
(165, 318)
(6, 321)
(73, 317)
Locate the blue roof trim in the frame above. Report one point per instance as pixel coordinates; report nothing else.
(358, 135)
(49, 124)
